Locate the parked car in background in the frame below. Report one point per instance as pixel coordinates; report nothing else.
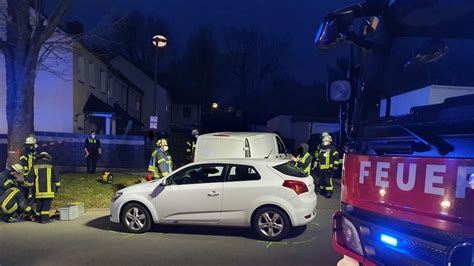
(239, 145)
(269, 195)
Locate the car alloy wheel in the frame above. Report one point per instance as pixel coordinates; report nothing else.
(135, 219)
(271, 224)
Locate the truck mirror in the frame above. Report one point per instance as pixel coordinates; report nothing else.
(461, 254)
(340, 91)
(329, 34)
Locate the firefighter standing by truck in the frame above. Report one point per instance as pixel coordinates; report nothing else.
(304, 158)
(28, 155)
(326, 163)
(161, 163)
(13, 202)
(46, 183)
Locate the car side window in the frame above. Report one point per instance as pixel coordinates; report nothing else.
(243, 173)
(199, 174)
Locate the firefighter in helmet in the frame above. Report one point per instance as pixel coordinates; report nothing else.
(28, 155)
(191, 145)
(326, 162)
(161, 164)
(13, 203)
(303, 159)
(46, 183)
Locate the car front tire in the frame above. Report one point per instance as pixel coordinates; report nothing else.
(271, 224)
(135, 218)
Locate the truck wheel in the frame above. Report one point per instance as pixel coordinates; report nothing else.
(271, 224)
(135, 218)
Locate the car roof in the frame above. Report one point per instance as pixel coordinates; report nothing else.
(247, 161)
(236, 135)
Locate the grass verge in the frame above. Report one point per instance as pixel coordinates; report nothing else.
(85, 188)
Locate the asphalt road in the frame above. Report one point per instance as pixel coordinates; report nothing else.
(93, 240)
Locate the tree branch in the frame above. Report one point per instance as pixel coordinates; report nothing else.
(52, 22)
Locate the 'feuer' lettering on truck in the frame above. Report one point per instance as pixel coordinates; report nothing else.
(432, 177)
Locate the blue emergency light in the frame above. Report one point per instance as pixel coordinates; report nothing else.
(389, 240)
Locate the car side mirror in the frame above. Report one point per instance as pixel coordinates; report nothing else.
(339, 91)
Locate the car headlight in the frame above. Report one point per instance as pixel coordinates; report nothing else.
(116, 196)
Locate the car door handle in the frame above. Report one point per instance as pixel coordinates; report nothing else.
(213, 194)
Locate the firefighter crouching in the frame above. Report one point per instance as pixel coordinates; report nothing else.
(161, 164)
(46, 183)
(303, 159)
(13, 203)
(326, 163)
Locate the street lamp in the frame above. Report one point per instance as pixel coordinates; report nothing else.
(159, 41)
(215, 106)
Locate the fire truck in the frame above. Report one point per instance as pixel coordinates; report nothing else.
(407, 120)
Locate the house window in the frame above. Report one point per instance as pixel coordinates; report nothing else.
(187, 112)
(138, 103)
(92, 77)
(110, 91)
(103, 81)
(124, 95)
(81, 69)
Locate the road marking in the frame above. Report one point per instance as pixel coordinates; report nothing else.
(269, 244)
(315, 223)
(304, 241)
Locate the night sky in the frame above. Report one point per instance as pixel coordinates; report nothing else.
(297, 19)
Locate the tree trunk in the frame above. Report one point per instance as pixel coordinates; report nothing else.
(20, 73)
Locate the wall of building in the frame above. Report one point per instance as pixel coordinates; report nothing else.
(147, 85)
(185, 116)
(53, 93)
(281, 125)
(67, 149)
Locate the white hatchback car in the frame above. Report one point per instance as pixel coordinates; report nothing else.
(269, 195)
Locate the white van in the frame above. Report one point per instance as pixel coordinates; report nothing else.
(226, 145)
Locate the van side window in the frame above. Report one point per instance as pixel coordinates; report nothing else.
(281, 146)
(247, 148)
(243, 173)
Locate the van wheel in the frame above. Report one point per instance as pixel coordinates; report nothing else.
(135, 218)
(271, 224)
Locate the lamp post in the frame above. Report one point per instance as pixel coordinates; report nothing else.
(159, 41)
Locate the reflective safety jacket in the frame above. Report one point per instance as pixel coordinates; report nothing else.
(304, 163)
(327, 158)
(161, 164)
(27, 159)
(44, 179)
(190, 149)
(13, 200)
(6, 181)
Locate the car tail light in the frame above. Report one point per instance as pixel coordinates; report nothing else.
(298, 186)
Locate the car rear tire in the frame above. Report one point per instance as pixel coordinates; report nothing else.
(271, 223)
(135, 218)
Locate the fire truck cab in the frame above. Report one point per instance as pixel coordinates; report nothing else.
(406, 96)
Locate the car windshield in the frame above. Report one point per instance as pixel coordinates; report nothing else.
(290, 169)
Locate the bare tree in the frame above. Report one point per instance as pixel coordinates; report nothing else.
(27, 29)
(200, 63)
(133, 35)
(253, 58)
